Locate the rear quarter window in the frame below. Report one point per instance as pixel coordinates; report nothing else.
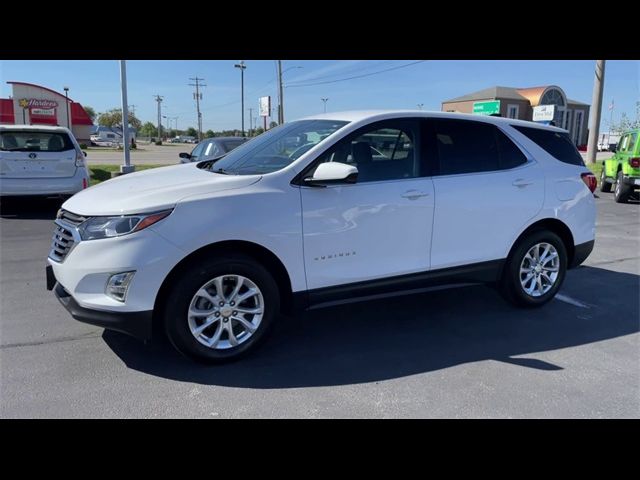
(556, 144)
(33, 141)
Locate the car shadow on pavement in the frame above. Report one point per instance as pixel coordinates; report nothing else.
(30, 208)
(392, 338)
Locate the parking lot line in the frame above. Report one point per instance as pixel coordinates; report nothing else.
(571, 301)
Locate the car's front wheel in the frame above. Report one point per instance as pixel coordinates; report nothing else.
(221, 309)
(535, 270)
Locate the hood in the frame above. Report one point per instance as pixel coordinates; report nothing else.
(152, 190)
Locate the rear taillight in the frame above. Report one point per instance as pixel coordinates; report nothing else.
(634, 162)
(590, 180)
(80, 159)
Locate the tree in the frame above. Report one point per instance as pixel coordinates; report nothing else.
(273, 124)
(258, 131)
(626, 123)
(210, 133)
(192, 132)
(113, 119)
(148, 130)
(91, 112)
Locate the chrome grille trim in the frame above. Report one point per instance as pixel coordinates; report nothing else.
(65, 235)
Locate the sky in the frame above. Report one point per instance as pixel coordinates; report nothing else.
(392, 84)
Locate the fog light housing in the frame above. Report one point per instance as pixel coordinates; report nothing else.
(118, 285)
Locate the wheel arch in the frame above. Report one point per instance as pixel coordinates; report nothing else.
(554, 225)
(259, 253)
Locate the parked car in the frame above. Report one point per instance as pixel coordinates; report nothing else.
(210, 148)
(211, 253)
(40, 160)
(622, 171)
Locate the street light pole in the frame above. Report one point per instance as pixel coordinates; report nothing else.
(324, 101)
(280, 99)
(66, 96)
(250, 119)
(596, 111)
(242, 67)
(127, 167)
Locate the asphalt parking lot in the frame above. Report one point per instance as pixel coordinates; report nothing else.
(454, 353)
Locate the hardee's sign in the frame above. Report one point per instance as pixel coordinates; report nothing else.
(37, 103)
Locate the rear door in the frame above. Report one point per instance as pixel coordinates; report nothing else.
(486, 191)
(36, 154)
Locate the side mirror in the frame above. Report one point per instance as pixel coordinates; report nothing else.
(85, 153)
(185, 155)
(332, 173)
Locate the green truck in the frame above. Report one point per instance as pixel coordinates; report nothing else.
(622, 171)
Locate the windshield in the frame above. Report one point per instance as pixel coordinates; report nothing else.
(30, 141)
(275, 149)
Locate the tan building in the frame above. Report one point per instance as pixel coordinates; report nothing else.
(541, 104)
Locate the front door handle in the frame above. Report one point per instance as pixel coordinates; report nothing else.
(414, 194)
(521, 183)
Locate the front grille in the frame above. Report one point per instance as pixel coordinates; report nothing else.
(63, 236)
(71, 218)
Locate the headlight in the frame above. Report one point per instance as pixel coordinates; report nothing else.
(106, 227)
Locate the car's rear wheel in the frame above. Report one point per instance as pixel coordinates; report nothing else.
(622, 191)
(221, 309)
(605, 186)
(535, 270)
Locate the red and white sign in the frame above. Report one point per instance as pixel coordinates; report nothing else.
(37, 103)
(47, 112)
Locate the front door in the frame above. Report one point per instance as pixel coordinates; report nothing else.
(381, 225)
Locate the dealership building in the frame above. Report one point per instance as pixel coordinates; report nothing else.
(32, 104)
(539, 104)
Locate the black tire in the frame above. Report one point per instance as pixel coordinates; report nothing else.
(195, 277)
(622, 192)
(510, 285)
(605, 186)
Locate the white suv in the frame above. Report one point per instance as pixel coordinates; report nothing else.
(375, 204)
(40, 160)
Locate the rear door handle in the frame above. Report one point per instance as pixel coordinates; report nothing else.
(414, 194)
(521, 183)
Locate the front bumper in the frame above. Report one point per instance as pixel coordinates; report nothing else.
(136, 324)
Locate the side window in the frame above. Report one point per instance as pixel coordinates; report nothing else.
(622, 143)
(212, 150)
(466, 146)
(631, 143)
(557, 144)
(510, 155)
(385, 152)
(196, 152)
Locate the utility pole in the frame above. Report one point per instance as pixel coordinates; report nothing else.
(596, 111)
(133, 110)
(242, 67)
(280, 95)
(324, 101)
(198, 96)
(127, 167)
(250, 118)
(159, 100)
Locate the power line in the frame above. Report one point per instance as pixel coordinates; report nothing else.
(357, 76)
(348, 71)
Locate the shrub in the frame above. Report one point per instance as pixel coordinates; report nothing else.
(83, 146)
(159, 142)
